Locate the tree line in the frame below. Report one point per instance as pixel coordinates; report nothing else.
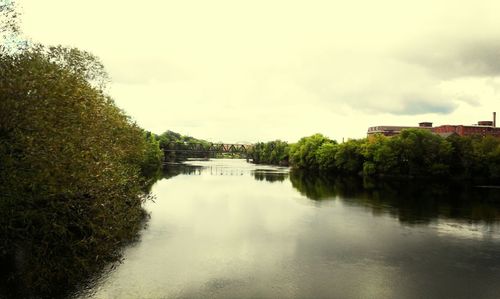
(410, 201)
(74, 168)
(180, 141)
(412, 153)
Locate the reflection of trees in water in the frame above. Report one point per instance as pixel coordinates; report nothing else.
(62, 252)
(62, 246)
(172, 170)
(411, 201)
(270, 176)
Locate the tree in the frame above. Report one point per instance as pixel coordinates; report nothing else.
(272, 152)
(153, 157)
(325, 156)
(70, 164)
(303, 153)
(9, 19)
(349, 157)
(80, 63)
(424, 153)
(486, 153)
(11, 40)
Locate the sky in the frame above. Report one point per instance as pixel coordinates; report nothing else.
(260, 70)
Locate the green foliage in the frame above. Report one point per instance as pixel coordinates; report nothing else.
(80, 64)
(326, 156)
(413, 153)
(349, 158)
(152, 157)
(369, 168)
(72, 165)
(181, 141)
(463, 158)
(486, 151)
(303, 153)
(494, 162)
(384, 154)
(273, 152)
(173, 137)
(423, 153)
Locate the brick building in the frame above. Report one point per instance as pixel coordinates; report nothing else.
(462, 130)
(483, 128)
(390, 130)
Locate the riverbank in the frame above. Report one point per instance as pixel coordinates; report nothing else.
(414, 153)
(230, 229)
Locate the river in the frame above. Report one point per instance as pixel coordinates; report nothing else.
(229, 229)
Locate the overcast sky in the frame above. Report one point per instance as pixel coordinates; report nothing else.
(255, 70)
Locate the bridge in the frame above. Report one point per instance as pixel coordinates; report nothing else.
(203, 150)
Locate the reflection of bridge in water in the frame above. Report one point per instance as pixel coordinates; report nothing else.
(204, 150)
(214, 168)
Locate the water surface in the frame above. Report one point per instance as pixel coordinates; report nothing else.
(229, 229)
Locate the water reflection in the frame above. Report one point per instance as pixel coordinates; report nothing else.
(228, 229)
(226, 168)
(174, 169)
(61, 246)
(270, 176)
(410, 201)
(40, 265)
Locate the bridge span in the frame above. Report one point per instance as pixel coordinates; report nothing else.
(198, 150)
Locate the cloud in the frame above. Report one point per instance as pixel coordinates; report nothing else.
(232, 70)
(399, 103)
(374, 84)
(140, 70)
(456, 58)
(422, 104)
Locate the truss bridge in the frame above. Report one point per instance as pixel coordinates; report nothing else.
(204, 150)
